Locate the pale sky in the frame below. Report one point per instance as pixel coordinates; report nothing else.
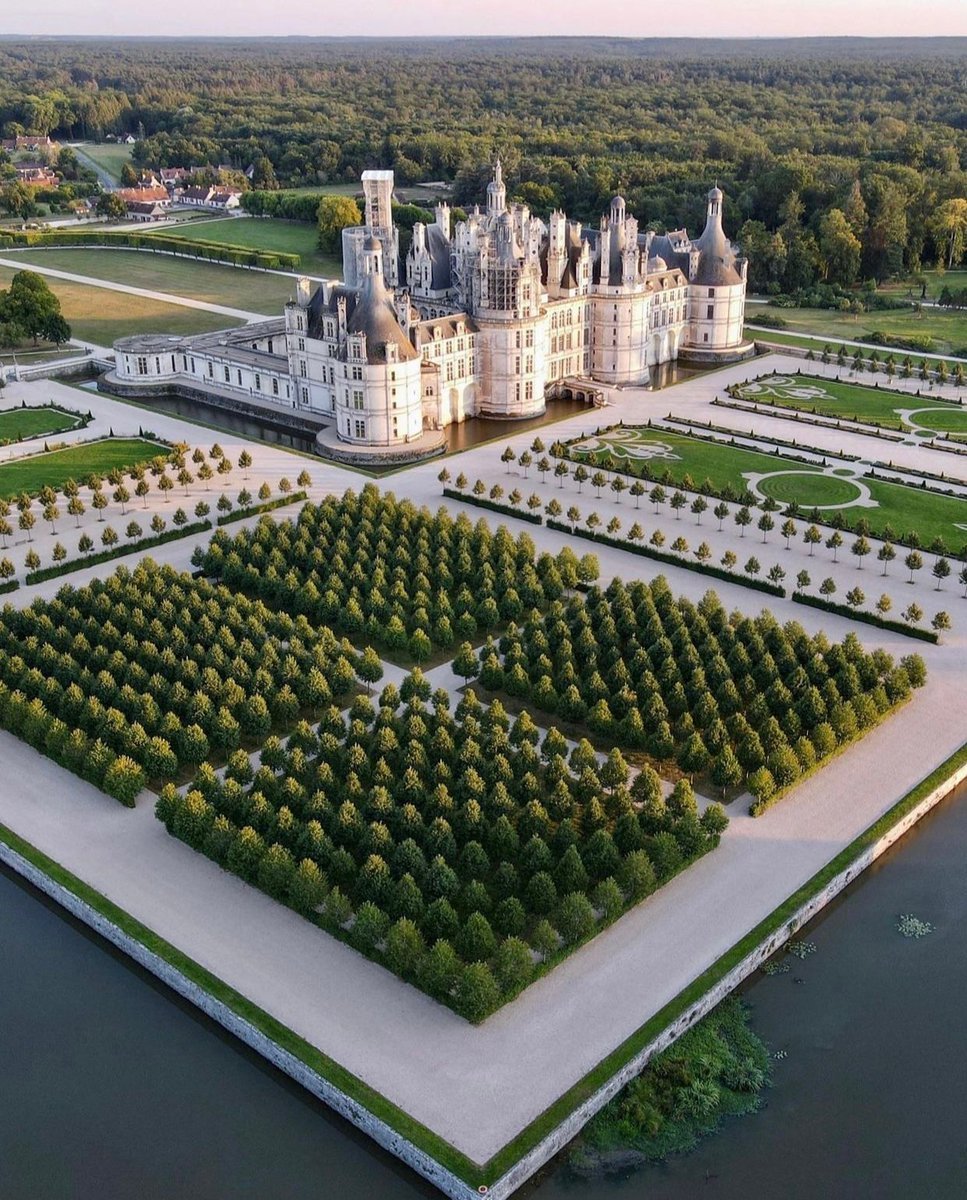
(627, 18)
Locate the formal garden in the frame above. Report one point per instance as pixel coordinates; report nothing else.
(923, 415)
(834, 493)
(149, 673)
(466, 851)
(39, 420)
(55, 468)
(734, 700)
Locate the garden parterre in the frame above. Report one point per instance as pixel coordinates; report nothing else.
(855, 402)
(835, 493)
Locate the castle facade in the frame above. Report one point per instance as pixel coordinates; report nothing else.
(484, 317)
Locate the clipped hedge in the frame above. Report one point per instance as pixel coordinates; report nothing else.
(148, 543)
(240, 514)
(869, 618)
(156, 243)
(494, 506)
(10, 586)
(759, 585)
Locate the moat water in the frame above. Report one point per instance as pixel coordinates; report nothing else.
(461, 437)
(113, 1089)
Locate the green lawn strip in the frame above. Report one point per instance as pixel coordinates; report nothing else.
(109, 156)
(34, 422)
(27, 355)
(599, 1075)
(55, 467)
(211, 282)
(902, 506)
(322, 1064)
(856, 402)
(855, 340)
(947, 327)
(264, 233)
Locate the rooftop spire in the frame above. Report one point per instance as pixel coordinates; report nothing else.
(496, 192)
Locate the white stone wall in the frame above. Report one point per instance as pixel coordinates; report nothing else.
(722, 330)
(384, 407)
(511, 366)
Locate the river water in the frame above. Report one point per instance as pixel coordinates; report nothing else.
(113, 1089)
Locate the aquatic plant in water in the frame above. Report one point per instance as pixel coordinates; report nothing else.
(801, 949)
(913, 927)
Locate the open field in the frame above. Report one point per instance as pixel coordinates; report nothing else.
(215, 283)
(265, 233)
(101, 316)
(948, 327)
(852, 402)
(936, 282)
(54, 469)
(832, 489)
(109, 156)
(34, 422)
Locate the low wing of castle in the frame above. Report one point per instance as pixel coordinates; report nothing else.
(486, 317)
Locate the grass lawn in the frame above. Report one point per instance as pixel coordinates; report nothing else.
(101, 316)
(948, 327)
(852, 402)
(29, 354)
(76, 462)
(904, 508)
(264, 233)
(34, 422)
(109, 156)
(936, 282)
(255, 291)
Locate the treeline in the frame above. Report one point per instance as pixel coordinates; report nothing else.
(460, 850)
(854, 168)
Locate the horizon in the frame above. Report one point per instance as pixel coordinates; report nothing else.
(745, 20)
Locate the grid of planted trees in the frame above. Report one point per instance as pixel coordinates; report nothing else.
(463, 850)
(406, 579)
(742, 699)
(139, 676)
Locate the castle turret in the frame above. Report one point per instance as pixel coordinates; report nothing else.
(496, 192)
(717, 287)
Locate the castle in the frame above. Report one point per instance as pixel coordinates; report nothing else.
(485, 317)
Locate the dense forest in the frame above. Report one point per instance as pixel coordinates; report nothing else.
(841, 159)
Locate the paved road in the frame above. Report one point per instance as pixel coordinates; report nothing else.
(167, 297)
(108, 182)
(478, 1087)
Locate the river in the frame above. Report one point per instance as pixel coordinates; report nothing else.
(110, 1087)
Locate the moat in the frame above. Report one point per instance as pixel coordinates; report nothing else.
(132, 1093)
(461, 437)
